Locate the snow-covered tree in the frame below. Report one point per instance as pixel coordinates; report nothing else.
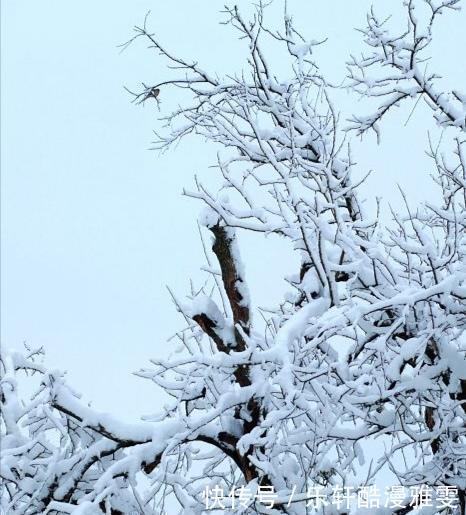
(358, 374)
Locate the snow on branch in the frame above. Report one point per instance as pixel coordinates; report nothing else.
(359, 372)
(394, 70)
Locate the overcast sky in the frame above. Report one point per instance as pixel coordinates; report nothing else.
(93, 223)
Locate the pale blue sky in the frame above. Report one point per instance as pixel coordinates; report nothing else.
(93, 223)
